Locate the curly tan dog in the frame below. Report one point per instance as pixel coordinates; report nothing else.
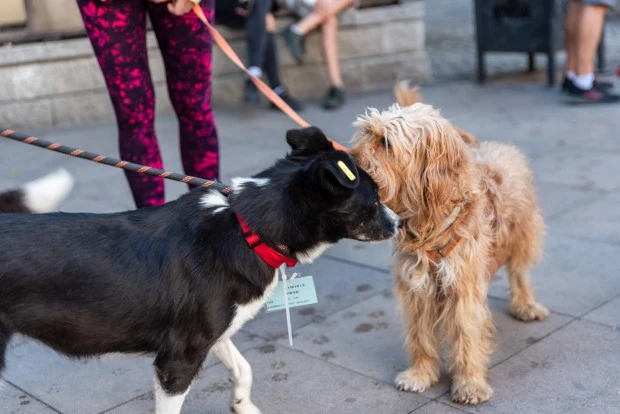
(469, 208)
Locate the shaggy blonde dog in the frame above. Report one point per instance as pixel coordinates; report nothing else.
(469, 207)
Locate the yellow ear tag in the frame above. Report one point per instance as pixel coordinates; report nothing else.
(346, 170)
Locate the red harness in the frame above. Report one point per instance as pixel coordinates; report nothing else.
(269, 255)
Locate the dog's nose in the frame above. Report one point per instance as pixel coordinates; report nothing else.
(400, 223)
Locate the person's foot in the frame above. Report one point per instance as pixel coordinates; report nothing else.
(602, 85)
(292, 102)
(592, 95)
(295, 44)
(334, 99)
(250, 92)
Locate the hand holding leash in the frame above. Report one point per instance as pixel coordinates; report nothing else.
(179, 7)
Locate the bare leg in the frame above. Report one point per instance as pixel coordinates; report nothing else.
(589, 30)
(240, 375)
(571, 22)
(316, 18)
(330, 50)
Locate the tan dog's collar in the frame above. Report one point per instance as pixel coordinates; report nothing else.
(436, 255)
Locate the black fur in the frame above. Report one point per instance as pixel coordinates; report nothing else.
(165, 281)
(13, 202)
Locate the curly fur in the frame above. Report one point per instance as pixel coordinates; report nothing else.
(428, 170)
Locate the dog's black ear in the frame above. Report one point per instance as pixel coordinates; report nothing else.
(334, 172)
(308, 141)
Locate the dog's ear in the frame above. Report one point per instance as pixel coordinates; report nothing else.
(334, 172)
(308, 141)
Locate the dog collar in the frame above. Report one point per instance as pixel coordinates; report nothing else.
(269, 255)
(436, 255)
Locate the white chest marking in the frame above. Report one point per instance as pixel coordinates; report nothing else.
(247, 311)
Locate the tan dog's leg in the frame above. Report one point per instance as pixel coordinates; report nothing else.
(469, 325)
(420, 311)
(522, 303)
(526, 250)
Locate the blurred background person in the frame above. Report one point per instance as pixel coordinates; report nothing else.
(117, 32)
(583, 26)
(324, 14)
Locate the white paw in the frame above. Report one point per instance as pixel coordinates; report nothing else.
(244, 407)
(530, 312)
(471, 392)
(412, 381)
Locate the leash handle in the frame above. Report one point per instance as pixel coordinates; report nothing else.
(114, 162)
(262, 86)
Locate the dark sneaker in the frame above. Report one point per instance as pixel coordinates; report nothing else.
(334, 99)
(295, 43)
(592, 95)
(292, 102)
(250, 92)
(602, 85)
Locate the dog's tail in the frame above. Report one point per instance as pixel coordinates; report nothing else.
(407, 94)
(43, 195)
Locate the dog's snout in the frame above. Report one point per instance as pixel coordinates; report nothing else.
(400, 223)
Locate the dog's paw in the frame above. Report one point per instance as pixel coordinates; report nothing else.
(529, 312)
(244, 407)
(471, 392)
(413, 380)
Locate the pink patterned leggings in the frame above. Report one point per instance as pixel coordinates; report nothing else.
(117, 31)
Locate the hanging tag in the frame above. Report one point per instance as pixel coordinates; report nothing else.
(301, 292)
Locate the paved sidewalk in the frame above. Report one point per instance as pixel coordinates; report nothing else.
(348, 347)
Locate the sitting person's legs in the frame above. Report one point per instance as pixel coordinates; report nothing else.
(584, 24)
(324, 15)
(270, 64)
(255, 30)
(260, 26)
(329, 33)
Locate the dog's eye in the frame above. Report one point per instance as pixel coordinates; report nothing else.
(385, 143)
(376, 204)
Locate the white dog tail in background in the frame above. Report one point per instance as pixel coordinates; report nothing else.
(45, 194)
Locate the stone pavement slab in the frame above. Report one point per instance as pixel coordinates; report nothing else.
(608, 314)
(87, 386)
(556, 200)
(367, 338)
(15, 401)
(597, 169)
(598, 221)
(287, 381)
(574, 371)
(569, 281)
(436, 407)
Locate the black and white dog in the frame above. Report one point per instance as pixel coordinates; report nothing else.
(177, 281)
